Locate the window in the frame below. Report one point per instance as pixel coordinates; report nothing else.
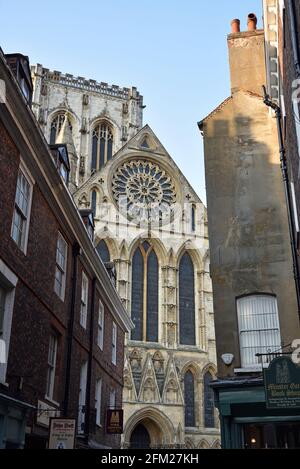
(209, 411)
(20, 224)
(112, 399)
(186, 301)
(61, 267)
(82, 397)
(258, 328)
(94, 202)
(103, 251)
(2, 308)
(114, 344)
(144, 297)
(100, 325)
(98, 393)
(102, 145)
(84, 300)
(8, 282)
(56, 126)
(193, 219)
(52, 353)
(189, 399)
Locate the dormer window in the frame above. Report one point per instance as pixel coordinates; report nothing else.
(61, 158)
(88, 220)
(19, 65)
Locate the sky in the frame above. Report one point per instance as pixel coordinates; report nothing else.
(174, 52)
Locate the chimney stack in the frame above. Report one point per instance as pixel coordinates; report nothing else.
(235, 26)
(252, 22)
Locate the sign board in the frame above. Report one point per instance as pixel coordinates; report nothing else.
(282, 384)
(114, 421)
(45, 412)
(62, 433)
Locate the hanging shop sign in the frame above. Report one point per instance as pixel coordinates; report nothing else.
(282, 384)
(62, 433)
(114, 421)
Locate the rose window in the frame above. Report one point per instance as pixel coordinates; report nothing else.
(144, 191)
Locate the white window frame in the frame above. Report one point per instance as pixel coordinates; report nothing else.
(61, 266)
(98, 401)
(100, 334)
(82, 397)
(253, 336)
(8, 281)
(296, 219)
(51, 366)
(84, 300)
(114, 344)
(18, 211)
(112, 399)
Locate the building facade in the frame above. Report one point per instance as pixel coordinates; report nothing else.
(255, 303)
(150, 227)
(62, 322)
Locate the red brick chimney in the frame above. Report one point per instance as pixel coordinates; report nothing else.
(235, 26)
(252, 22)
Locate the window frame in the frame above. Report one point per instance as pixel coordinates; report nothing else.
(62, 269)
(100, 329)
(98, 401)
(51, 368)
(18, 211)
(256, 365)
(114, 343)
(84, 300)
(112, 397)
(102, 130)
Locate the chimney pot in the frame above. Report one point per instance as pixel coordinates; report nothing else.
(252, 22)
(235, 26)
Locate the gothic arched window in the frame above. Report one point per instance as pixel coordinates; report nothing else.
(94, 202)
(186, 301)
(189, 399)
(56, 125)
(102, 145)
(144, 298)
(209, 412)
(193, 218)
(103, 251)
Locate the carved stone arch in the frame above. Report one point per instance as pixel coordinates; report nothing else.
(190, 248)
(146, 137)
(158, 247)
(171, 258)
(160, 428)
(74, 120)
(84, 201)
(110, 242)
(203, 444)
(188, 443)
(216, 445)
(124, 255)
(101, 118)
(211, 368)
(193, 367)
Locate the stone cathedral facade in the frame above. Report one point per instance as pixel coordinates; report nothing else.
(151, 227)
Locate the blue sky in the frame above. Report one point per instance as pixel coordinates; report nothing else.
(175, 52)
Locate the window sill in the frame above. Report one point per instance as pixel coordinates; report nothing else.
(51, 401)
(252, 369)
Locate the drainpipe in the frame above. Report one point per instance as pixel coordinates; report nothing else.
(75, 254)
(293, 27)
(90, 364)
(287, 191)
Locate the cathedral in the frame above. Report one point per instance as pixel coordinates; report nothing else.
(151, 233)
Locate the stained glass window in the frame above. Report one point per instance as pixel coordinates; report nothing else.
(186, 301)
(189, 399)
(56, 126)
(102, 145)
(144, 308)
(209, 413)
(103, 251)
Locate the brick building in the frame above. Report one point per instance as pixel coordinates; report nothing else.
(62, 323)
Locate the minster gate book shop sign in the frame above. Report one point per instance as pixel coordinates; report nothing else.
(282, 384)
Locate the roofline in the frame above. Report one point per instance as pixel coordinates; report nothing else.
(54, 187)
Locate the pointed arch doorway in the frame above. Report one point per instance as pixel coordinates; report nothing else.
(140, 438)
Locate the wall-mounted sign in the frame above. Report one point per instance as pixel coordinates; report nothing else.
(114, 421)
(282, 384)
(62, 433)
